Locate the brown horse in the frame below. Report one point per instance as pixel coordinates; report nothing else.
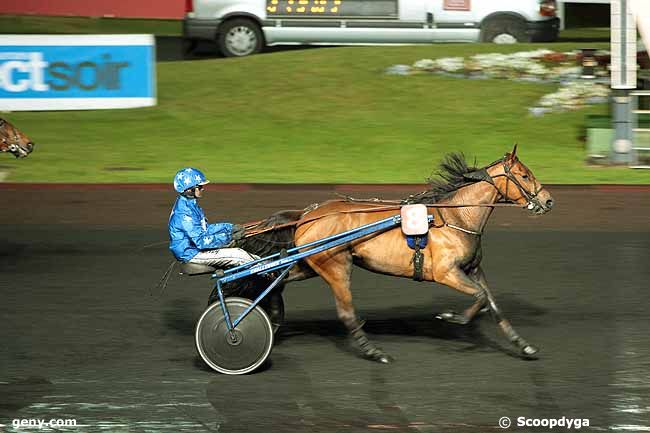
(14, 141)
(452, 255)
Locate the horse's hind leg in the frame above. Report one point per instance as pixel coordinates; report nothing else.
(336, 270)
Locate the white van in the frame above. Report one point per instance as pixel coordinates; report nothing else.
(243, 27)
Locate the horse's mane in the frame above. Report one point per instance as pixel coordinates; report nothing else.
(449, 177)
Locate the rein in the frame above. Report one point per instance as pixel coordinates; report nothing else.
(305, 220)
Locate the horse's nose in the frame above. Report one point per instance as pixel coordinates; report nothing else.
(549, 203)
(30, 146)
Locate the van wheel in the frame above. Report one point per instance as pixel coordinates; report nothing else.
(239, 37)
(504, 30)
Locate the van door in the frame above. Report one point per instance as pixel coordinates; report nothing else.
(456, 20)
(348, 21)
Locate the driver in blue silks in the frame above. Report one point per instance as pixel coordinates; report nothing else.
(191, 238)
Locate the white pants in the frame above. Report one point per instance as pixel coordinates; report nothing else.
(223, 257)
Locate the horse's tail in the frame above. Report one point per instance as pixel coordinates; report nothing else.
(271, 240)
(268, 241)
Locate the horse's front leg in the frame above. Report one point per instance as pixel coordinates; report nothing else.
(478, 276)
(456, 278)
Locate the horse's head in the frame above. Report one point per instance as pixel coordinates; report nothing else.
(14, 141)
(516, 183)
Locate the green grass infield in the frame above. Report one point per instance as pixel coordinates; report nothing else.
(326, 115)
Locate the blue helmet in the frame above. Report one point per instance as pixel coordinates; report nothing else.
(187, 178)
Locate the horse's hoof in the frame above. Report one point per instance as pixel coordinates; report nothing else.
(385, 359)
(529, 350)
(379, 356)
(453, 317)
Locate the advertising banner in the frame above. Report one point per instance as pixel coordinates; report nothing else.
(76, 72)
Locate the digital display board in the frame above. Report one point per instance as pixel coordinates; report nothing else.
(331, 8)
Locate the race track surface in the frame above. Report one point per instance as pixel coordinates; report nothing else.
(83, 338)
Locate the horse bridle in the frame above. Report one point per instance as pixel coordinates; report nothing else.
(531, 197)
(14, 146)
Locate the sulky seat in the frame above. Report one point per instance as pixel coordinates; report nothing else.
(195, 269)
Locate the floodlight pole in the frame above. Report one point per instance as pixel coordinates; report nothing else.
(621, 146)
(623, 79)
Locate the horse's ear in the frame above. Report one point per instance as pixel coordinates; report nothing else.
(512, 155)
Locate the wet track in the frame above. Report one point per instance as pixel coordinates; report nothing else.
(83, 338)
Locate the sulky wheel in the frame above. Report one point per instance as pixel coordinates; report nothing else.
(273, 303)
(241, 351)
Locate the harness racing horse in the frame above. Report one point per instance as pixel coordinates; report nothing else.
(14, 141)
(461, 203)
